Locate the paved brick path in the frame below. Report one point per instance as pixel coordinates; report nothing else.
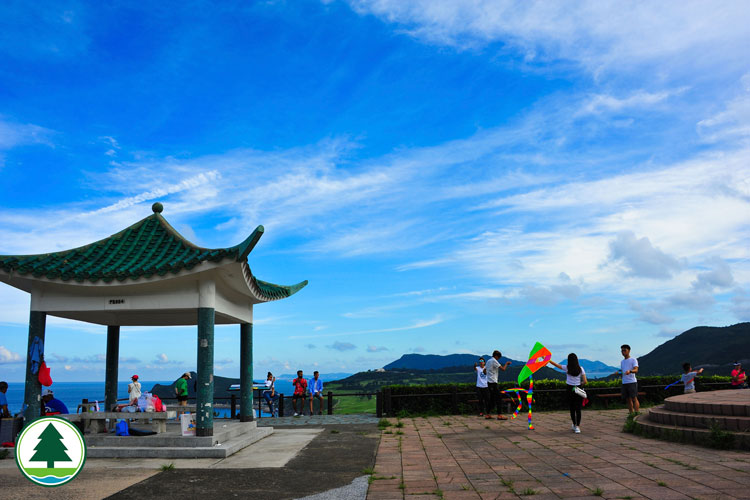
(455, 457)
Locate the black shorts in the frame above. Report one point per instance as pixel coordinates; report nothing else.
(630, 390)
(182, 398)
(298, 396)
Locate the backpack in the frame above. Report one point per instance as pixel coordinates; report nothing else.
(121, 429)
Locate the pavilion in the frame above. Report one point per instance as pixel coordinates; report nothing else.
(147, 275)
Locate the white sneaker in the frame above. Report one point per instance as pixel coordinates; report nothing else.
(296, 414)
(573, 427)
(577, 430)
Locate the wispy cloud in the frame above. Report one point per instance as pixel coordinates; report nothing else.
(601, 103)
(415, 326)
(14, 134)
(586, 32)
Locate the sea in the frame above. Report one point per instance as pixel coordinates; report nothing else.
(71, 393)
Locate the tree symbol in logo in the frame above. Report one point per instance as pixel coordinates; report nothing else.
(50, 448)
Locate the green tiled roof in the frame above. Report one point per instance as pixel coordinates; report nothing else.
(150, 247)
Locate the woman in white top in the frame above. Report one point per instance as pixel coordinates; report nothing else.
(576, 378)
(134, 390)
(483, 393)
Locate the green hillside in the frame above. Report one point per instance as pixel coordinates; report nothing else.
(713, 348)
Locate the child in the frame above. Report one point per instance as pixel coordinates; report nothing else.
(689, 378)
(576, 377)
(483, 393)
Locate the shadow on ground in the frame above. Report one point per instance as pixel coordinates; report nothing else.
(332, 460)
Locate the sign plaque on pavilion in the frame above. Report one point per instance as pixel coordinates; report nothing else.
(147, 275)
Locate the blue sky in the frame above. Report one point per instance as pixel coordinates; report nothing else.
(449, 176)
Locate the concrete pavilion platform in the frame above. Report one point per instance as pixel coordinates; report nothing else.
(229, 438)
(690, 417)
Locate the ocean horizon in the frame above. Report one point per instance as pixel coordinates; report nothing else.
(71, 393)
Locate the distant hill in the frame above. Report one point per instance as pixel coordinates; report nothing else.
(712, 348)
(371, 381)
(436, 362)
(221, 386)
(593, 367)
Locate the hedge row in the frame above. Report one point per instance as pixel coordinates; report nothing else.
(548, 394)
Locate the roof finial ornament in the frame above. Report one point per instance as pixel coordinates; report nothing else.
(157, 207)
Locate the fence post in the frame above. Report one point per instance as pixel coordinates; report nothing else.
(454, 400)
(281, 404)
(379, 404)
(387, 402)
(233, 406)
(330, 403)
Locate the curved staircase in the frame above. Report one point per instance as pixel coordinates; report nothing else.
(716, 418)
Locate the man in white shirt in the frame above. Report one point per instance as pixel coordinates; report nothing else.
(491, 369)
(628, 368)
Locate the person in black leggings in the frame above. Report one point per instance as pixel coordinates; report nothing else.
(576, 378)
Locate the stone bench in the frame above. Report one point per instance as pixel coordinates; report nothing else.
(607, 397)
(97, 421)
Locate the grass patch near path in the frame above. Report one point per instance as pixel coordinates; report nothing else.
(353, 404)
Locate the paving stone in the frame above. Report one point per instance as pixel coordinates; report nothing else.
(559, 464)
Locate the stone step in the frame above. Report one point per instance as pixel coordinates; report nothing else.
(730, 403)
(663, 415)
(218, 450)
(687, 434)
(172, 438)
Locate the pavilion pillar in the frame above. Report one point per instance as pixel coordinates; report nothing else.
(246, 373)
(33, 390)
(204, 424)
(112, 367)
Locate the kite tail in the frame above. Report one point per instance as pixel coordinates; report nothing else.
(529, 398)
(510, 393)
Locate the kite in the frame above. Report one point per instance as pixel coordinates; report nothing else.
(538, 357)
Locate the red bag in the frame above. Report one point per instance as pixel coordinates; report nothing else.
(44, 377)
(158, 406)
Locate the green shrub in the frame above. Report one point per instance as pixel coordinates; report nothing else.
(548, 395)
(630, 424)
(720, 438)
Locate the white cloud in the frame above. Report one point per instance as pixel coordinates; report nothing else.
(595, 34)
(8, 356)
(720, 276)
(640, 258)
(650, 313)
(342, 346)
(373, 348)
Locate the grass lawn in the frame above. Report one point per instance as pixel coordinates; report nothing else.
(353, 404)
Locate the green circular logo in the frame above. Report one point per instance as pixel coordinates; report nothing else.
(50, 451)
